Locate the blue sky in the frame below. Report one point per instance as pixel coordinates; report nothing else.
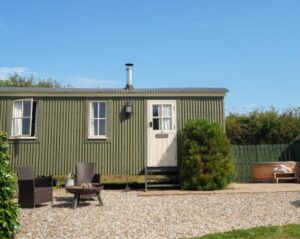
(250, 47)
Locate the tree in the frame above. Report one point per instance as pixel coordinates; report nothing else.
(205, 156)
(20, 81)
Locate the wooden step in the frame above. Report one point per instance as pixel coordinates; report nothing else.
(165, 185)
(162, 177)
(162, 170)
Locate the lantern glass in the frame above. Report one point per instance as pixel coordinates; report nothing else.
(128, 109)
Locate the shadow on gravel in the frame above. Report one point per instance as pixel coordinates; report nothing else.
(296, 203)
(36, 206)
(66, 202)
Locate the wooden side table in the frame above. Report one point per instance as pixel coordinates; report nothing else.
(285, 176)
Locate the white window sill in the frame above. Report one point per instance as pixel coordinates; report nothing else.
(102, 137)
(23, 138)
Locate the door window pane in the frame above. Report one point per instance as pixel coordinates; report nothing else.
(156, 111)
(167, 111)
(156, 124)
(167, 124)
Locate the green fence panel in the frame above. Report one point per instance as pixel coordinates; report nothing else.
(246, 155)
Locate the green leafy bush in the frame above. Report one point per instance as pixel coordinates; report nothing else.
(205, 156)
(263, 127)
(8, 210)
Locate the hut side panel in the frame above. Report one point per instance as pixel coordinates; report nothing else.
(62, 138)
(210, 108)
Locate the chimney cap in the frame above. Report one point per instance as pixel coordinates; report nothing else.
(128, 64)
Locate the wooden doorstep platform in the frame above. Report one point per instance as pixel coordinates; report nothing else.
(285, 176)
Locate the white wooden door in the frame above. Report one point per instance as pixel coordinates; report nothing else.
(162, 133)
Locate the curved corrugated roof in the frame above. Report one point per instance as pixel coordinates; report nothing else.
(199, 90)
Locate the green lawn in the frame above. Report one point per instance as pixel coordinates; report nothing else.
(291, 231)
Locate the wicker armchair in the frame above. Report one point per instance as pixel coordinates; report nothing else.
(33, 191)
(85, 173)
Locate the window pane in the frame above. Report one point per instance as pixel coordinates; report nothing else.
(94, 127)
(26, 108)
(95, 110)
(167, 124)
(102, 127)
(156, 124)
(167, 110)
(17, 127)
(102, 110)
(17, 109)
(156, 110)
(25, 126)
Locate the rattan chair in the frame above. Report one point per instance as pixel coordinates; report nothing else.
(85, 173)
(33, 191)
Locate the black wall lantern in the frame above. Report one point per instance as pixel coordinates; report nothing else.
(128, 109)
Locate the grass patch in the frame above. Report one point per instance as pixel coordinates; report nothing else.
(110, 181)
(290, 231)
(121, 179)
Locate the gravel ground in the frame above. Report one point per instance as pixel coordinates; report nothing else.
(126, 215)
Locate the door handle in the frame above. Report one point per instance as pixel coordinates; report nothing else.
(150, 124)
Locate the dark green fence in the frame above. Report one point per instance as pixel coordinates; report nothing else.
(246, 155)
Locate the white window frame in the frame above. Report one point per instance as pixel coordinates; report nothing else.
(23, 136)
(162, 117)
(90, 135)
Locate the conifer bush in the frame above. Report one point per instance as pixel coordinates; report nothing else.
(205, 156)
(8, 209)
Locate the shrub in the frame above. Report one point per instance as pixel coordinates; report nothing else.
(8, 209)
(263, 127)
(205, 156)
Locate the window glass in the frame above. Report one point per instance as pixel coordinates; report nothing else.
(95, 109)
(156, 110)
(17, 109)
(156, 124)
(167, 111)
(17, 127)
(94, 127)
(98, 119)
(25, 126)
(102, 110)
(102, 127)
(167, 124)
(162, 117)
(26, 108)
(23, 120)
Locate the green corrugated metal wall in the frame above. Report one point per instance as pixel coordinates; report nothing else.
(62, 133)
(211, 108)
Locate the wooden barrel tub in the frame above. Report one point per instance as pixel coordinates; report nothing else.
(263, 172)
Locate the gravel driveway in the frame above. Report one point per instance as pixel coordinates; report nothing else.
(127, 215)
